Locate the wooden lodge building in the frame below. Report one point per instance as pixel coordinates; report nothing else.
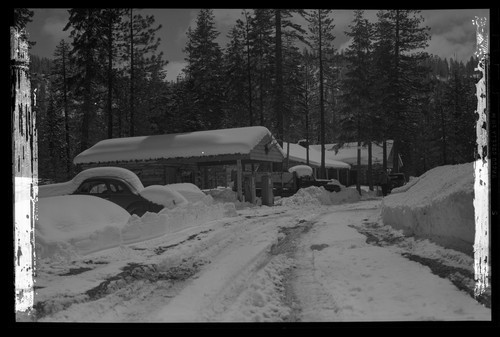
(204, 158)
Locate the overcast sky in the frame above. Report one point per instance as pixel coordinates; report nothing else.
(452, 31)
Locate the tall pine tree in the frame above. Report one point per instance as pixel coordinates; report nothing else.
(203, 71)
(401, 39)
(321, 27)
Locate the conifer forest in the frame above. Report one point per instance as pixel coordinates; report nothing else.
(109, 81)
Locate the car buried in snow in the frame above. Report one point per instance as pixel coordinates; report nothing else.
(118, 191)
(119, 186)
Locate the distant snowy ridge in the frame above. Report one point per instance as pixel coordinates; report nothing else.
(438, 205)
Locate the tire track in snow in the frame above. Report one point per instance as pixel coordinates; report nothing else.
(243, 276)
(122, 297)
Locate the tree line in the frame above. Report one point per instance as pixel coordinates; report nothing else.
(109, 81)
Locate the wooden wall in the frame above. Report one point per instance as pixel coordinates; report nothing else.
(273, 154)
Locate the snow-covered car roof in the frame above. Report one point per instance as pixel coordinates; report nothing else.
(70, 186)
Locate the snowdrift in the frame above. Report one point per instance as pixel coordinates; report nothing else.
(72, 226)
(189, 191)
(76, 225)
(163, 195)
(437, 205)
(227, 195)
(317, 196)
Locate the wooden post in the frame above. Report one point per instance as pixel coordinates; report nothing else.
(253, 193)
(205, 178)
(239, 184)
(267, 190)
(24, 170)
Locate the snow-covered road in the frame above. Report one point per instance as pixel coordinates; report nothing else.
(274, 264)
(340, 277)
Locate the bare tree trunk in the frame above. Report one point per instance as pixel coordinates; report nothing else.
(395, 144)
(24, 169)
(110, 76)
(384, 154)
(249, 74)
(131, 73)
(66, 114)
(370, 168)
(322, 173)
(279, 80)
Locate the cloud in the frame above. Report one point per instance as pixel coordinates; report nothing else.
(53, 27)
(174, 68)
(227, 17)
(443, 47)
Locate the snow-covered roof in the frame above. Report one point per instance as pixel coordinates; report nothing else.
(348, 153)
(179, 145)
(299, 153)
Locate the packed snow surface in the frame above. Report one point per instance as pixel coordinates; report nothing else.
(307, 259)
(180, 145)
(267, 264)
(70, 186)
(437, 205)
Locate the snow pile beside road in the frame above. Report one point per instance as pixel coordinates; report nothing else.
(222, 194)
(152, 225)
(406, 187)
(163, 195)
(189, 191)
(317, 196)
(438, 206)
(76, 225)
(227, 195)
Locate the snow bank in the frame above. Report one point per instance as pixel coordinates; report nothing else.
(77, 224)
(152, 225)
(406, 187)
(317, 196)
(438, 205)
(163, 195)
(222, 194)
(189, 191)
